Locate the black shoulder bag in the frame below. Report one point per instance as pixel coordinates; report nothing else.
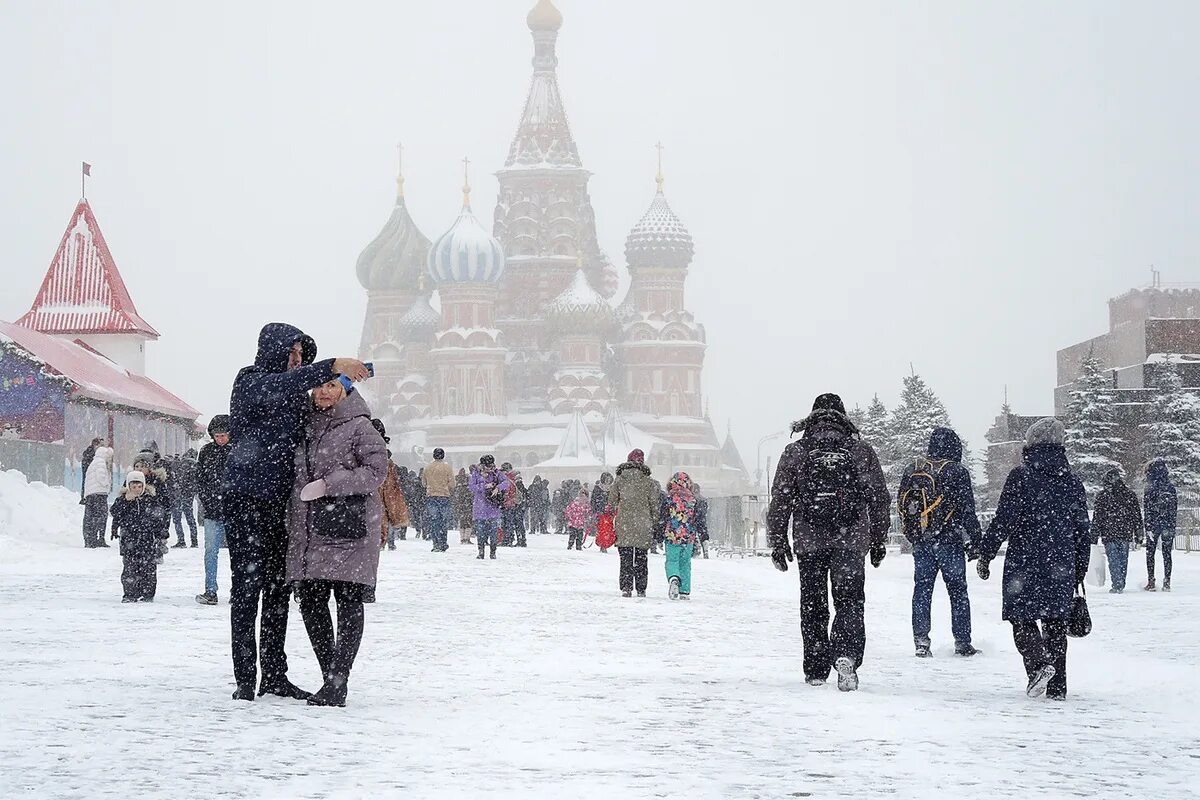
(1080, 622)
(341, 518)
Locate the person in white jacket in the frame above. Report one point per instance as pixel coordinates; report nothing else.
(97, 484)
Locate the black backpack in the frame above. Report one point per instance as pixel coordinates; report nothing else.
(922, 504)
(831, 493)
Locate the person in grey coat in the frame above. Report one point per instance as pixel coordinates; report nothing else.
(334, 519)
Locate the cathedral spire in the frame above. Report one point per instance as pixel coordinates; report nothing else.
(466, 182)
(658, 178)
(543, 137)
(399, 173)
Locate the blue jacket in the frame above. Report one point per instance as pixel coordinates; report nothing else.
(1043, 515)
(267, 410)
(1159, 502)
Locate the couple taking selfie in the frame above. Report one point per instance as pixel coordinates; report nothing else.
(303, 512)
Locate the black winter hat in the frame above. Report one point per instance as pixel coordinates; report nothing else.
(218, 424)
(829, 401)
(438, 453)
(488, 460)
(378, 425)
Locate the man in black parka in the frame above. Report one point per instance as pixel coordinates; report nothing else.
(267, 408)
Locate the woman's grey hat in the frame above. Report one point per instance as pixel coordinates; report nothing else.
(1047, 430)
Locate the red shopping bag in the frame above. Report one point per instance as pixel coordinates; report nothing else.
(606, 532)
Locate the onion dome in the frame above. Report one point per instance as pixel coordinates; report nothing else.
(544, 17)
(466, 253)
(580, 304)
(420, 320)
(660, 238)
(395, 258)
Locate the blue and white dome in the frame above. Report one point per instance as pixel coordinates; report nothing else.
(466, 253)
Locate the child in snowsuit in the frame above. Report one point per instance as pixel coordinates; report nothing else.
(143, 517)
(577, 519)
(681, 535)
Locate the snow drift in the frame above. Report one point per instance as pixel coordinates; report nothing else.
(34, 515)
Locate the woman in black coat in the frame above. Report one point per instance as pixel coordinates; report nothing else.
(1043, 515)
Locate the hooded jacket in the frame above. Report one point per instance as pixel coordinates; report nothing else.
(98, 479)
(1117, 516)
(482, 482)
(341, 447)
(267, 408)
(1161, 503)
(142, 522)
(635, 497)
(954, 483)
(210, 473)
(874, 520)
(1043, 516)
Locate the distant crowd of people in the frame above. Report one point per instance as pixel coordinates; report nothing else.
(298, 483)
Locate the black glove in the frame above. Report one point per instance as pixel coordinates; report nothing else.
(1079, 576)
(972, 548)
(983, 569)
(780, 556)
(114, 534)
(877, 555)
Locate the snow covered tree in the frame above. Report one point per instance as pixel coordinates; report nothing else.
(919, 412)
(1173, 433)
(875, 428)
(1093, 443)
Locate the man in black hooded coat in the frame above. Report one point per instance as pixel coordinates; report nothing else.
(267, 409)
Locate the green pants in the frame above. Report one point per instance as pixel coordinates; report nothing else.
(679, 565)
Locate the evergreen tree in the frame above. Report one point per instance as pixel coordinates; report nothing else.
(1093, 443)
(1173, 433)
(913, 420)
(876, 431)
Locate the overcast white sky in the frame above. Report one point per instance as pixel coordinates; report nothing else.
(961, 185)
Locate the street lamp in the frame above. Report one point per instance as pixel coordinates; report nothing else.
(761, 442)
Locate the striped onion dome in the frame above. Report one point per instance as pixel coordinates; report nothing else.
(580, 303)
(659, 239)
(420, 318)
(393, 260)
(466, 253)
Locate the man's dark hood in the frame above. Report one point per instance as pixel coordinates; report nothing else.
(1157, 472)
(824, 419)
(1113, 480)
(944, 445)
(275, 342)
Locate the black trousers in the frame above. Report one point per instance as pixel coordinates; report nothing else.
(1153, 542)
(634, 565)
(335, 654)
(139, 576)
(843, 572)
(256, 533)
(184, 509)
(95, 519)
(1041, 646)
(539, 516)
(574, 538)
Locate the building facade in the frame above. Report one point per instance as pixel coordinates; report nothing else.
(530, 337)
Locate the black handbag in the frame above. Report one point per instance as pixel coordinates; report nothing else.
(341, 518)
(1080, 622)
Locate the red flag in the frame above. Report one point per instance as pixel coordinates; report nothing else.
(87, 169)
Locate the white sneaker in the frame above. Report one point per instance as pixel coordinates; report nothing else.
(673, 589)
(1037, 686)
(847, 675)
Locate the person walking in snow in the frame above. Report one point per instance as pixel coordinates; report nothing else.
(85, 461)
(1161, 504)
(143, 517)
(391, 495)
(438, 480)
(489, 487)
(1117, 523)
(830, 487)
(1043, 516)
(334, 516)
(539, 504)
(210, 485)
(460, 504)
(183, 496)
(97, 483)
(701, 520)
(268, 407)
(158, 476)
(681, 535)
(635, 496)
(577, 520)
(511, 522)
(558, 507)
(937, 511)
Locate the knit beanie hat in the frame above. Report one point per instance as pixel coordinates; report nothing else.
(488, 460)
(1047, 430)
(135, 476)
(829, 402)
(637, 457)
(438, 454)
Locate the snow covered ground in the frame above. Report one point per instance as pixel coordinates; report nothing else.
(530, 676)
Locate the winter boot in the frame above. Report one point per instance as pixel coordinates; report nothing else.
(684, 596)
(624, 593)
(1040, 680)
(206, 599)
(493, 552)
(923, 648)
(642, 593)
(965, 650)
(283, 688)
(815, 681)
(1150, 586)
(847, 675)
(332, 693)
(179, 544)
(673, 589)
(482, 547)
(1166, 586)
(244, 693)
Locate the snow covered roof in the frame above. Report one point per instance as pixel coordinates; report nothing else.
(420, 317)
(95, 376)
(580, 301)
(83, 291)
(659, 239)
(577, 448)
(466, 253)
(532, 437)
(730, 455)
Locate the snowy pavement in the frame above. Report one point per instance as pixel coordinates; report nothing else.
(530, 676)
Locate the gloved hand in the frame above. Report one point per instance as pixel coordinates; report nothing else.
(313, 491)
(983, 569)
(780, 556)
(972, 549)
(877, 555)
(115, 535)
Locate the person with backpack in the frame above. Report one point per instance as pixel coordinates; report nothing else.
(830, 487)
(635, 496)
(489, 487)
(1043, 516)
(1117, 523)
(1162, 510)
(937, 512)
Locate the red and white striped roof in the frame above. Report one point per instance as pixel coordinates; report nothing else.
(83, 292)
